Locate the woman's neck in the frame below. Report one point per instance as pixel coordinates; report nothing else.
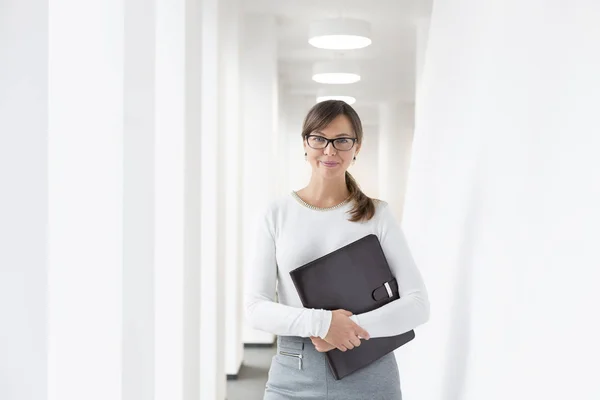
(325, 193)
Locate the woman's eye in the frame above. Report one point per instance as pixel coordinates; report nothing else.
(318, 139)
(342, 141)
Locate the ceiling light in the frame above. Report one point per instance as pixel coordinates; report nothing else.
(348, 99)
(340, 34)
(336, 72)
(336, 93)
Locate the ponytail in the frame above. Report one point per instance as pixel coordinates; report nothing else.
(364, 207)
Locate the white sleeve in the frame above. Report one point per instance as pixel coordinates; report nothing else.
(412, 308)
(261, 310)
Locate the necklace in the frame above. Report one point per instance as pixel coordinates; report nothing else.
(305, 204)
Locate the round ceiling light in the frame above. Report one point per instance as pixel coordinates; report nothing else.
(336, 72)
(340, 34)
(336, 93)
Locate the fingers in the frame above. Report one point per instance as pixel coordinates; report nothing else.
(349, 344)
(323, 349)
(362, 333)
(345, 312)
(355, 342)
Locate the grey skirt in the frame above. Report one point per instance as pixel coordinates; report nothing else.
(299, 371)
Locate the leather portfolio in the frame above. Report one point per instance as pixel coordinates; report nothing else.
(356, 278)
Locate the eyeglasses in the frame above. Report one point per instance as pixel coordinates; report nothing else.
(341, 144)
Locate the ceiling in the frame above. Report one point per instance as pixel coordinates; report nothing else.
(387, 65)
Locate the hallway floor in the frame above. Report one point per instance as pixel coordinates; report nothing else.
(252, 378)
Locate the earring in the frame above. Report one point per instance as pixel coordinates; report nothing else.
(305, 156)
(353, 160)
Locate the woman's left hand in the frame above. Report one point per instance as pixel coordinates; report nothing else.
(321, 345)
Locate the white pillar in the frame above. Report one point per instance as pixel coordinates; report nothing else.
(189, 322)
(259, 132)
(122, 196)
(138, 196)
(229, 130)
(85, 199)
(396, 127)
(162, 199)
(170, 213)
(212, 274)
(23, 198)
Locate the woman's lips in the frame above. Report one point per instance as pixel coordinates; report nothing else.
(329, 164)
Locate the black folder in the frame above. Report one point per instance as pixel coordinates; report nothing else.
(356, 278)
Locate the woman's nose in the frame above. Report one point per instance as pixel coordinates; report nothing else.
(329, 149)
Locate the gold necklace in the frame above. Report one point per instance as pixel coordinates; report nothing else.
(305, 204)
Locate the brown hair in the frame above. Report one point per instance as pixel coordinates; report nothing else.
(321, 115)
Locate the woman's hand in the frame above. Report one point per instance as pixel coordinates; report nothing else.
(343, 333)
(320, 345)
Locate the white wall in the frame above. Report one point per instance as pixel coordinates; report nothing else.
(259, 133)
(85, 199)
(502, 204)
(422, 36)
(396, 129)
(23, 199)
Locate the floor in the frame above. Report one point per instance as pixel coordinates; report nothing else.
(250, 384)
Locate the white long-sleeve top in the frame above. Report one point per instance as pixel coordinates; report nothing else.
(290, 235)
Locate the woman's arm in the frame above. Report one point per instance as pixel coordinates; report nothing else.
(261, 310)
(412, 309)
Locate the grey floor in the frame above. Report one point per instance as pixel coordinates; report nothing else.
(252, 378)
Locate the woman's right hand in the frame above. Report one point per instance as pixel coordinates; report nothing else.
(343, 332)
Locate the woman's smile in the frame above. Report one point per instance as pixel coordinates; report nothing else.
(330, 164)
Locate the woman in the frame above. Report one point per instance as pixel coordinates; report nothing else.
(330, 212)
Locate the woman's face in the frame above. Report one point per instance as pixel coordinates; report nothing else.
(330, 162)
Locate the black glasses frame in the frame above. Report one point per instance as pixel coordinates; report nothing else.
(332, 141)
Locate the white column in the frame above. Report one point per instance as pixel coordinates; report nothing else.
(170, 212)
(85, 199)
(229, 130)
(122, 200)
(162, 201)
(23, 198)
(138, 197)
(396, 127)
(194, 300)
(259, 130)
(212, 271)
